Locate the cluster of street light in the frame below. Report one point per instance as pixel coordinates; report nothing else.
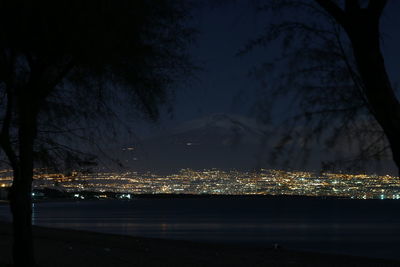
(214, 181)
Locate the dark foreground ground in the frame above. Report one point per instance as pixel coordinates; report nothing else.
(77, 248)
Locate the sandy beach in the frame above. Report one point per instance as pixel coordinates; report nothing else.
(57, 247)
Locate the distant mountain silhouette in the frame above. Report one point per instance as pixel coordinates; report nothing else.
(222, 141)
(220, 129)
(216, 141)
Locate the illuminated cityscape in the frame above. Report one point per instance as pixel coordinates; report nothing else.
(213, 181)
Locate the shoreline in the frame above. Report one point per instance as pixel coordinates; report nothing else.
(197, 196)
(62, 247)
(93, 195)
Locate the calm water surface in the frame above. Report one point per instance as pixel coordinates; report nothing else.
(357, 227)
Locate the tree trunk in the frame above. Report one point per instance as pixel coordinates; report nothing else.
(362, 27)
(380, 95)
(21, 190)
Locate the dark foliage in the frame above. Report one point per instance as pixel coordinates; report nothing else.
(65, 68)
(318, 72)
(81, 59)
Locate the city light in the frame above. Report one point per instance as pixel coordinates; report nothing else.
(214, 181)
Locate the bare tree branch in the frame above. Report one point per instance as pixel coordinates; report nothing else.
(5, 141)
(352, 6)
(334, 10)
(376, 7)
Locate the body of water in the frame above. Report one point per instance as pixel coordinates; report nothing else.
(357, 227)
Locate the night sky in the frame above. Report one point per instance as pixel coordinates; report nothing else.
(207, 165)
(223, 84)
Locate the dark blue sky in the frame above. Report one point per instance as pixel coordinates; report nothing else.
(223, 85)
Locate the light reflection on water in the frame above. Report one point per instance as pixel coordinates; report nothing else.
(369, 228)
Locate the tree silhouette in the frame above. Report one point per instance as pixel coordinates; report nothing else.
(333, 65)
(62, 59)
